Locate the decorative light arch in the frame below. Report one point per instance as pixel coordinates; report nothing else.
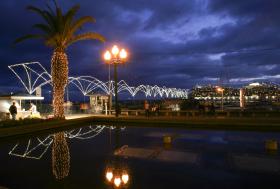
(88, 84)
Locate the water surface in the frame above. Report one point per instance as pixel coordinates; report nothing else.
(195, 159)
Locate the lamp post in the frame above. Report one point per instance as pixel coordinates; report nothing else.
(221, 90)
(109, 88)
(115, 57)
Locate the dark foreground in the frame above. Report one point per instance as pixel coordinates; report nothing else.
(194, 159)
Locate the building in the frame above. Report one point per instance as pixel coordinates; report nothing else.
(210, 93)
(99, 103)
(254, 93)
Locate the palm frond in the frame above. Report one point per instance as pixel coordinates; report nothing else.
(86, 36)
(43, 27)
(72, 12)
(46, 15)
(59, 30)
(40, 12)
(28, 36)
(80, 22)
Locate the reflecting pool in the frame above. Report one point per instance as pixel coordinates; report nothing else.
(135, 157)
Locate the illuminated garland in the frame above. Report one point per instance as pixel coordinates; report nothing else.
(83, 135)
(36, 148)
(89, 84)
(59, 74)
(60, 156)
(30, 148)
(33, 72)
(60, 149)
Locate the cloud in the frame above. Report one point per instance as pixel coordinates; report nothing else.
(176, 43)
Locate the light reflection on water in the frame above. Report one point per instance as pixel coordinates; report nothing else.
(143, 156)
(35, 148)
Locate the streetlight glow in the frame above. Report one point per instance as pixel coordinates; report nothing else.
(109, 175)
(119, 57)
(115, 50)
(117, 181)
(125, 178)
(221, 90)
(123, 54)
(107, 56)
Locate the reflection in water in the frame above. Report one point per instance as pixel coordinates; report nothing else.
(36, 148)
(33, 149)
(116, 173)
(60, 156)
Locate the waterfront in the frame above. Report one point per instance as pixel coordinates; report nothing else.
(195, 159)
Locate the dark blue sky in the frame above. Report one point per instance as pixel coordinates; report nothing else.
(176, 43)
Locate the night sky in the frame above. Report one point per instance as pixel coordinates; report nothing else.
(176, 43)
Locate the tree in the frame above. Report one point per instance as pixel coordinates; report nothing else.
(59, 31)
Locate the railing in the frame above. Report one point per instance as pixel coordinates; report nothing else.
(75, 109)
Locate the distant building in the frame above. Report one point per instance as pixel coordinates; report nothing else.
(209, 93)
(252, 93)
(262, 92)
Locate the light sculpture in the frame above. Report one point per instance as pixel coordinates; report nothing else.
(88, 84)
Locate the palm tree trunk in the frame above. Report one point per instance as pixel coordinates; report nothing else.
(59, 72)
(60, 156)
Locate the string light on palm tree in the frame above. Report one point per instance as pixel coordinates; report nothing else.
(58, 31)
(115, 57)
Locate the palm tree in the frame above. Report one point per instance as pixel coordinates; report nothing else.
(59, 31)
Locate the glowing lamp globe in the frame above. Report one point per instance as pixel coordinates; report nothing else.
(125, 178)
(123, 54)
(115, 50)
(109, 176)
(117, 181)
(107, 56)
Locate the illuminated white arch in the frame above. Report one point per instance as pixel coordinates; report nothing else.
(30, 70)
(88, 84)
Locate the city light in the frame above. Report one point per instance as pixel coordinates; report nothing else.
(220, 89)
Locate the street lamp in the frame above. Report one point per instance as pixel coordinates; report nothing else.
(221, 90)
(115, 57)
